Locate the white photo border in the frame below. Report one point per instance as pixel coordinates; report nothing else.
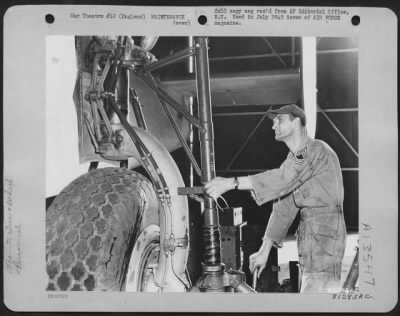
(24, 156)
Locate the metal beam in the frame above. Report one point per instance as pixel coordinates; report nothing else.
(191, 136)
(274, 51)
(178, 132)
(165, 96)
(336, 51)
(252, 171)
(176, 129)
(137, 109)
(327, 51)
(170, 59)
(337, 130)
(339, 110)
(245, 143)
(237, 114)
(293, 50)
(180, 137)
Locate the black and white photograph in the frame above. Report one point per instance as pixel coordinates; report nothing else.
(184, 120)
(196, 156)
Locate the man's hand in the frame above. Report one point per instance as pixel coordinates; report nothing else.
(218, 186)
(258, 261)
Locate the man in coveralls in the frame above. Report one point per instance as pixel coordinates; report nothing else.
(309, 180)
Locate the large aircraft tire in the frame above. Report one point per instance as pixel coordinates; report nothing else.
(92, 226)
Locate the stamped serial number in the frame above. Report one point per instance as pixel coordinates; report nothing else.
(57, 296)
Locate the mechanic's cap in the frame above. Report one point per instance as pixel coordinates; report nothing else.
(289, 109)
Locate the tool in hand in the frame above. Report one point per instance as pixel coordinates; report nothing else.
(255, 277)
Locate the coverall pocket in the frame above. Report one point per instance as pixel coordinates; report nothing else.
(303, 246)
(325, 238)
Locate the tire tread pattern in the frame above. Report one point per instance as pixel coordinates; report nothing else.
(90, 226)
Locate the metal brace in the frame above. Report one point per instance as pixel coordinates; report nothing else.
(91, 132)
(191, 190)
(171, 243)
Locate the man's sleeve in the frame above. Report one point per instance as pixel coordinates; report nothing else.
(276, 183)
(282, 216)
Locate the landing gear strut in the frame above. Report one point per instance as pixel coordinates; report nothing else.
(214, 278)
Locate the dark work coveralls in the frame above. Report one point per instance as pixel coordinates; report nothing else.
(309, 180)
